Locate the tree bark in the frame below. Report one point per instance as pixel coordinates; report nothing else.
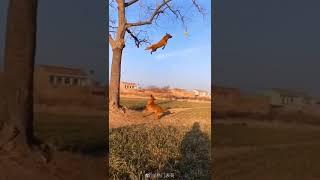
(117, 47)
(19, 67)
(114, 88)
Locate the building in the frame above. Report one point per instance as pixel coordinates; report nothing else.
(224, 98)
(64, 85)
(56, 76)
(283, 97)
(127, 86)
(176, 92)
(233, 101)
(201, 93)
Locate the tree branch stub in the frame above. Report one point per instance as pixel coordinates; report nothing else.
(127, 4)
(152, 17)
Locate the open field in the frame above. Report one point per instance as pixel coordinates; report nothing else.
(72, 133)
(178, 143)
(79, 148)
(139, 103)
(268, 150)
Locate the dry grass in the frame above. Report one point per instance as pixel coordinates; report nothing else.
(72, 133)
(178, 143)
(245, 151)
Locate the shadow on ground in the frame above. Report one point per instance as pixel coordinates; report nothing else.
(195, 155)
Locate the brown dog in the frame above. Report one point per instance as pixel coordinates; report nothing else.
(153, 108)
(162, 43)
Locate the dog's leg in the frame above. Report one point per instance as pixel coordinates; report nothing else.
(163, 46)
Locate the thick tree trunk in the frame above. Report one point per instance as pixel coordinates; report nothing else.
(19, 67)
(117, 47)
(114, 88)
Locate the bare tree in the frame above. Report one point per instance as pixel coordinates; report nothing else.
(119, 27)
(16, 125)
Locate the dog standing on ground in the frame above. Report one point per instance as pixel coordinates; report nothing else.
(162, 43)
(151, 107)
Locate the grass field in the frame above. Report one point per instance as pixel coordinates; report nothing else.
(72, 133)
(138, 104)
(178, 143)
(275, 153)
(78, 144)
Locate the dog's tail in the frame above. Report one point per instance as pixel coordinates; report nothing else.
(149, 47)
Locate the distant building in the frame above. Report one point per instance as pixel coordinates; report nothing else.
(283, 97)
(232, 100)
(53, 84)
(128, 86)
(181, 93)
(56, 76)
(224, 98)
(201, 93)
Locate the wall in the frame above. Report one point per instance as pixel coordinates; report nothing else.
(232, 102)
(252, 104)
(224, 99)
(66, 99)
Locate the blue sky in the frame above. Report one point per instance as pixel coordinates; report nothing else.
(186, 60)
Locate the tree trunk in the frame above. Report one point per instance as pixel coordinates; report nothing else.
(114, 88)
(19, 67)
(117, 47)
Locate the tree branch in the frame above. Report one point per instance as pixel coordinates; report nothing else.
(200, 9)
(130, 3)
(154, 14)
(111, 41)
(137, 41)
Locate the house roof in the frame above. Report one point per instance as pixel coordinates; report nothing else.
(290, 93)
(200, 91)
(63, 70)
(129, 83)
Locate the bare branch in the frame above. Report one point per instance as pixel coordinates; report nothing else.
(154, 14)
(200, 9)
(111, 41)
(130, 3)
(137, 41)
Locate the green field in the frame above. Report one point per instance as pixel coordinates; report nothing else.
(272, 153)
(72, 133)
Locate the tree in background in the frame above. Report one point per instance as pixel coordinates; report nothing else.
(119, 27)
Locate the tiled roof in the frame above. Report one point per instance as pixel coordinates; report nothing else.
(128, 83)
(63, 70)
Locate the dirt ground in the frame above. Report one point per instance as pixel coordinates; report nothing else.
(174, 117)
(271, 150)
(65, 166)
